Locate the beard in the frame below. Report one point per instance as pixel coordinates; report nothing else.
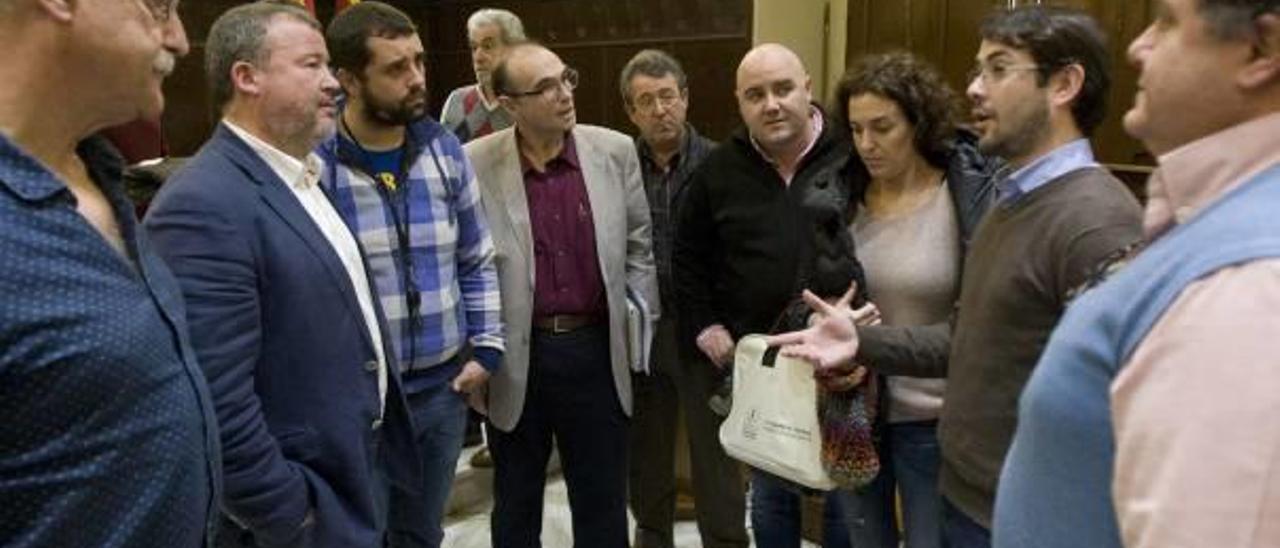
(1022, 137)
(394, 113)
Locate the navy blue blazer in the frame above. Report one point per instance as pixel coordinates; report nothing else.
(279, 334)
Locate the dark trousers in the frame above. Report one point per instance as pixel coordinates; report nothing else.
(961, 531)
(569, 398)
(231, 535)
(717, 479)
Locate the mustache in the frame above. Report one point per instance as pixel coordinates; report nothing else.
(164, 63)
(415, 96)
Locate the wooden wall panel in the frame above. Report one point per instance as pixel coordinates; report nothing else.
(187, 120)
(945, 32)
(707, 36)
(597, 37)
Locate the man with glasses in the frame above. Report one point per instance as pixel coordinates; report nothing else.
(1037, 93)
(283, 315)
(473, 110)
(1150, 422)
(405, 189)
(655, 94)
(567, 209)
(109, 435)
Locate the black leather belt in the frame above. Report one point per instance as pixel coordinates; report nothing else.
(564, 323)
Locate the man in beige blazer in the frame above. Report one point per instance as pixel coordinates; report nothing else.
(570, 222)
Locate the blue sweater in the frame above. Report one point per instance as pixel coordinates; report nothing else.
(1055, 489)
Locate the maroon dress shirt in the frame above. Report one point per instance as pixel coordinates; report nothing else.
(567, 276)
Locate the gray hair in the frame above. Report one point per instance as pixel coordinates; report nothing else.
(238, 35)
(510, 26)
(654, 64)
(1233, 19)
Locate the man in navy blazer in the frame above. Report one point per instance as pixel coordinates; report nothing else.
(282, 315)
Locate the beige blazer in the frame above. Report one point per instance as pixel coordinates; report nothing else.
(621, 215)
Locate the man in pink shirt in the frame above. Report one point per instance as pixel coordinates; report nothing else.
(1150, 420)
(1194, 408)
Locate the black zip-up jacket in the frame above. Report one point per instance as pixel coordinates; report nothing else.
(747, 242)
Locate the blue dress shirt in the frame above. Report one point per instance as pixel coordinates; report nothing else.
(1060, 161)
(107, 433)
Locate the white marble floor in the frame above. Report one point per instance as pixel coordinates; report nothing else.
(468, 524)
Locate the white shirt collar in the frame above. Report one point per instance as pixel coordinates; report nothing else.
(294, 172)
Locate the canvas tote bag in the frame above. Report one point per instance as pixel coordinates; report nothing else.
(773, 424)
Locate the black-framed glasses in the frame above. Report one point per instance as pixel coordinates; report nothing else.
(549, 88)
(996, 72)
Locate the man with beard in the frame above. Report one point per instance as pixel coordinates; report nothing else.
(282, 313)
(473, 110)
(405, 188)
(109, 437)
(1150, 422)
(1037, 89)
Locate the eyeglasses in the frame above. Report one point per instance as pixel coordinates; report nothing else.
(161, 10)
(997, 72)
(648, 102)
(548, 89)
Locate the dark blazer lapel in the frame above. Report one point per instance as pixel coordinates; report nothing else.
(280, 199)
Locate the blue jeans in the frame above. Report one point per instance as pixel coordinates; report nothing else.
(960, 531)
(775, 514)
(909, 463)
(440, 424)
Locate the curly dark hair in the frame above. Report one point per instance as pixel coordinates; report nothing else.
(928, 103)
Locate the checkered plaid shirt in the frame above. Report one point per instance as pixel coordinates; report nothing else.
(452, 252)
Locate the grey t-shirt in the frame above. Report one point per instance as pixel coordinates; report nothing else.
(912, 262)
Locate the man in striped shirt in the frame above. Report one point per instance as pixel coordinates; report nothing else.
(404, 187)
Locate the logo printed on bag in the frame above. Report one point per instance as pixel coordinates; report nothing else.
(779, 428)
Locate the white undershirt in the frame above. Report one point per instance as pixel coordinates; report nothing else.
(302, 178)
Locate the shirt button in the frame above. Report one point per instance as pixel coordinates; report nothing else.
(371, 366)
(377, 423)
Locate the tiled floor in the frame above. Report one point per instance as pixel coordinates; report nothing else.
(468, 524)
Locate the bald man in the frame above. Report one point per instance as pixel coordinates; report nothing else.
(764, 217)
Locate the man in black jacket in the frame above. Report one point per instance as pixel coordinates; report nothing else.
(655, 93)
(765, 216)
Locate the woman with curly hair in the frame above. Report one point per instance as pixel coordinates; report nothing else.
(927, 189)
